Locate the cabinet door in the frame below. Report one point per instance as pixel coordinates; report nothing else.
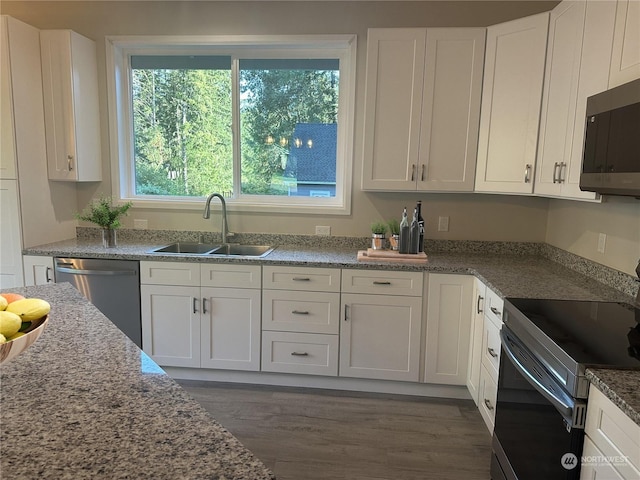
(7, 138)
(11, 274)
(171, 324)
(448, 329)
(37, 270)
(230, 328)
(510, 112)
(72, 122)
(487, 395)
(625, 62)
(380, 337)
(393, 101)
(475, 343)
(597, 468)
(451, 109)
(564, 49)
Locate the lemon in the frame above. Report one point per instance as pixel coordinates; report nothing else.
(29, 308)
(10, 323)
(16, 335)
(3, 303)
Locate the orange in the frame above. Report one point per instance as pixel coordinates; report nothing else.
(11, 297)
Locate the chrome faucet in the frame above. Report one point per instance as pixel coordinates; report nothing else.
(224, 231)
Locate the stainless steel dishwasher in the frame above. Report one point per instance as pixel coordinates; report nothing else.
(113, 286)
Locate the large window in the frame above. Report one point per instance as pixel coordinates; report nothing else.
(265, 122)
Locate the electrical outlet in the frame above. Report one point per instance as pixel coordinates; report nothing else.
(140, 224)
(602, 240)
(323, 230)
(443, 224)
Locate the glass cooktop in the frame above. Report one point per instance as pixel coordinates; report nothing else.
(592, 333)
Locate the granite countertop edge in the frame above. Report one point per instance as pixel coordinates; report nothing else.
(515, 275)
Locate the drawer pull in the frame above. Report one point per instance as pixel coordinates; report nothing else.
(377, 282)
(299, 354)
(301, 279)
(478, 309)
(492, 352)
(496, 311)
(487, 404)
(300, 312)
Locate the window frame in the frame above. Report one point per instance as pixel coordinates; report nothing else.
(119, 51)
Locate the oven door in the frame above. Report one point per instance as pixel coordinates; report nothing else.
(539, 428)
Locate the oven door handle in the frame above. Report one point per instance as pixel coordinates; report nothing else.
(565, 406)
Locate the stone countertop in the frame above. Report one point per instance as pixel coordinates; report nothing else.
(509, 274)
(85, 402)
(622, 387)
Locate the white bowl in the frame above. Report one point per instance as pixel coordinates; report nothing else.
(15, 347)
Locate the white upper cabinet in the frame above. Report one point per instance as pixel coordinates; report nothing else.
(422, 107)
(625, 64)
(7, 140)
(510, 112)
(70, 81)
(578, 58)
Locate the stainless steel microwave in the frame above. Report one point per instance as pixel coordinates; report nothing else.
(611, 161)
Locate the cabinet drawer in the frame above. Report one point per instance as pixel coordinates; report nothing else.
(494, 306)
(309, 312)
(613, 433)
(491, 346)
(295, 278)
(306, 353)
(382, 282)
(487, 394)
(228, 275)
(170, 273)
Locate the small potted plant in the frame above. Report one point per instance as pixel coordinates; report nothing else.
(394, 229)
(378, 231)
(106, 215)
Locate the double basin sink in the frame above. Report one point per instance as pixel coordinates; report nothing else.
(230, 249)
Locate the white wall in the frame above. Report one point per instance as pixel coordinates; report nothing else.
(576, 226)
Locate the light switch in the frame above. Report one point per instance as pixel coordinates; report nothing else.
(443, 224)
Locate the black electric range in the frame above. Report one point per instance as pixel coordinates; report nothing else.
(571, 335)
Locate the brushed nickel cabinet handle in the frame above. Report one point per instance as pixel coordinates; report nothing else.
(496, 311)
(301, 279)
(413, 172)
(478, 309)
(492, 352)
(527, 173)
(299, 354)
(346, 312)
(204, 305)
(377, 282)
(422, 173)
(487, 403)
(300, 312)
(47, 278)
(70, 162)
(561, 172)
(556, 177)
(195, 308)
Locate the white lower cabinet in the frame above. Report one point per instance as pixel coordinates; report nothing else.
(300, 309)
(380, 332)
(487, 394)
(37, 270)
(612, 441)
(475, 342)
(188, 320)
(448, 328)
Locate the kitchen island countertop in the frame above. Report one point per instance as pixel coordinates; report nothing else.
(84, 402)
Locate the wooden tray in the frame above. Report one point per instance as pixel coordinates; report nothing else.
(371, 255)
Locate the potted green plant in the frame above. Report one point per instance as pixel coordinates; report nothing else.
(378, 231)
(394, 229)
(107, 216)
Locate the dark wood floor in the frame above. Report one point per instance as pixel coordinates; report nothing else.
(307, 434)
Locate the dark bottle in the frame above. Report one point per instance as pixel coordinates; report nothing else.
(405, 233)
(421, 226)
(415, 233)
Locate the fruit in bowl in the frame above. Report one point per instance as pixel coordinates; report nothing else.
(22, 321)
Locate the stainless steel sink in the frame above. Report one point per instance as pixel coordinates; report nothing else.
(192, 248)
(186, 247)
(243, 250)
